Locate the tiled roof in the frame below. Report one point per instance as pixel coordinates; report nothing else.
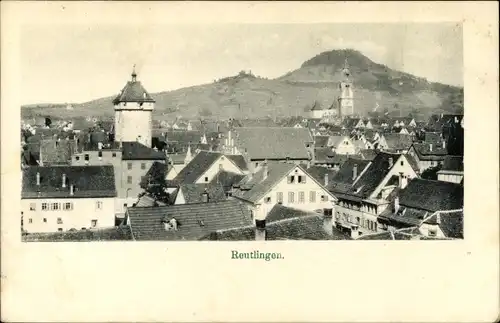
(266, 123)
(148, 201)
(424, 152)
(274, 143)
(398, 141)
(184, 137)
(54, 152)
(107, 234)
(88, 181)
(255, 187)
(193, 193)
(405, 217)
(227, 179)
(133, 92)
(196, 167)
(321, 141)
(433, 137)
(432, 195)
(318, 173)
(132, 150)
(368, 154)
(280, 212)
(451, 224)
(239, 161)
(401, 234)
(453, 163)
(176, 159)
(306, 227)
(194, 220)
(343, 180)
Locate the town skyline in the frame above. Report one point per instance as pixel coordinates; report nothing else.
(99, 58)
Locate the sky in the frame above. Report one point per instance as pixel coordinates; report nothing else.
(78, 62)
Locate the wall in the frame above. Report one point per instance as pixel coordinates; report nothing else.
(83, 211)
(179, 199)
(424, 230)
(450, 177)
(174, 171)
(405, 168)
(283, 186)
(129, 190)
(345, 147)
(224, 163)
(129, 124)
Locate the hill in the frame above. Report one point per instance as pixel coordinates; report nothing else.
(246, 95)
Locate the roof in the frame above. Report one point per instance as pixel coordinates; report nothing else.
(424, 151)
(321, 141)
(398, 141)
(451, 224)
(193, 193)
(133, 92)
(239, 161)
(106, 234)
(274, 143)
(319, 172)
(147, 201)
(343, 178)
(280, 212)
(185, 137)
(453, 163)
(432, 195)
(56, 152)
(305, 227)
(194, 220)
(197, 166)
(227, 179)
(433, 137)
(133, 150)
(254, 188)
(368, 154)
(88, 181)
(402, 234)
(405, 217)
(156, 174)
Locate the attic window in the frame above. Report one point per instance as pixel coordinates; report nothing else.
(201, 223)
(267, 199)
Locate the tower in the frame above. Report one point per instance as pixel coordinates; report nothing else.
(346, 99)
(133, 113)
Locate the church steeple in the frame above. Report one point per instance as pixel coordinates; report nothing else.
(346, 71)
(134, 74)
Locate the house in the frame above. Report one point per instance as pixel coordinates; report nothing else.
(282, 183)
(364, 189)
(286, 224)
(258, 144)
(205, 165)
(322, 174)
(428, 155)
(318, 112)
(321, 141)
(404, 122)
(342, 145)
(119, 233)
(419, 202)
(227, 180)
(185, 221)
(444, 225)
(60, 198)
(452, 170)
(199, 193)
(177, 162)
(131, 161)
(395, 142)
(55, 152)
(325, 157)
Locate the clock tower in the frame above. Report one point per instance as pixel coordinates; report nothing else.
(346, 99)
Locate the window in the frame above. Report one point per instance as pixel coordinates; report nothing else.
(206, 179)
(94, 223)
(256, 164)
(98, 205)
(291, 197)
(45, 206)
(328, 212)
(77, 157)
(267, 199)
(59, 221)
(302, 197)
(402, 163)
(32, 206)
(279, 197)
(432, 232)
(67, 206)
(291, 179)
(99, 154)
(113, 154)
(86, 157)
(337, 215)
(55, 206)
(129, 166)
(312, 197)
(44, 220)
(129, 179)
(143, 165)
(30, 220)
(358, 220)
(324, 198)
(299, 179)
(59, 229)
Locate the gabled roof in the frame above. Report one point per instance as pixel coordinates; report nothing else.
(305, 227)
(274, 143)
(133, 92)
(451, 224)
(342, 180)
(398, 141)
(88, 181)
(148, 201)
(318, 173)
(184, 137)
(54, 152)
(424, 151)
(239, 161)
(132, 150)
(197, 166)
(227, 179)
(194, 220)
(432, 195)
(280, 212)
(193, 193)
(368, 154)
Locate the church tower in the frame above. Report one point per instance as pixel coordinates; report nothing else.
(346, 99)
(133, 113)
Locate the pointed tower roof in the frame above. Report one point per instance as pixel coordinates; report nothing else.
(133, 92)
(346, 70)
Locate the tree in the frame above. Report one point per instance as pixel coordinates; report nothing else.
(48, 122)
(205, 112)
(156, 188)
(431, 173)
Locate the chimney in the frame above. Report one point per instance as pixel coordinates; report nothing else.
(391, 162)
(430, 147)
(205, 196)
(355, 172)
(71, 190)
(99, 145)
(265, 171)
(260, 230)
(396, 204)
(38, 179)
(438, 218)
(63, 180)
(354, 231)
(328, 223)
(444, 144)
(325, 179)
